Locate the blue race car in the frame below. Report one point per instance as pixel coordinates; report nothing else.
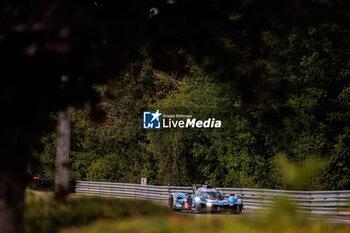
(205, 199)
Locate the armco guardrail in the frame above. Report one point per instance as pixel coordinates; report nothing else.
(315, 202)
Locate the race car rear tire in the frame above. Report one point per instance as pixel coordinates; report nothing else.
(237, 209)
(171, 202)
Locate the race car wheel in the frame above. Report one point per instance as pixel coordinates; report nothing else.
(171, 202)
(237, 209)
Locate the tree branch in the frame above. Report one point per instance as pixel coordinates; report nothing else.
(339, 101)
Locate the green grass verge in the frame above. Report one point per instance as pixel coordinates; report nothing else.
(202, 224)
(85, 214)
(43, 214)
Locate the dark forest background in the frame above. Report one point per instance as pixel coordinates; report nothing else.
(298, 110)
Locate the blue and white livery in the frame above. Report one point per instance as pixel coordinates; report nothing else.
(205, 199)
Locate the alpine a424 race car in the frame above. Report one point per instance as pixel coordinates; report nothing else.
(205, 199)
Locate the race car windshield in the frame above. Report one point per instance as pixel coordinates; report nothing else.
(212, 195)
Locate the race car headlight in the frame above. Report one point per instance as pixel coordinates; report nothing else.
(197, 199)
(209, 204)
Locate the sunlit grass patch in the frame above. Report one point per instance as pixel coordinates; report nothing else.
(91, 214)
(43, 214)
(192, 224)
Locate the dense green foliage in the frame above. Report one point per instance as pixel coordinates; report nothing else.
(302, 111)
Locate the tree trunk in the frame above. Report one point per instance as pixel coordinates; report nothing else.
(62, 155)
(12, 190)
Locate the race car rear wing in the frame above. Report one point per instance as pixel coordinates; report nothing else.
(194, 187)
